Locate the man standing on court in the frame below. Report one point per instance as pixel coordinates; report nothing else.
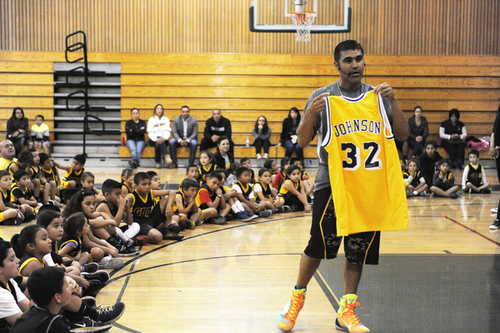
(215, 127)
(355, 142)
(185, 132)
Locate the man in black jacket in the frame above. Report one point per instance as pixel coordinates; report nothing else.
(215, 127)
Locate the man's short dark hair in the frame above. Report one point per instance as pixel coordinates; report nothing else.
(189, 182)
(240, 171)
(185, 106)
(44, 283)
(109, 185)
(215, 174)
(140, 176)
(80, 158)
(20, 174)
(347, 45)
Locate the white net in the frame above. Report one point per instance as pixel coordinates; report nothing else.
(303, 22)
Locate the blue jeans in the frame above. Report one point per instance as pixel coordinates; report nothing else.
(136, 148)
(160, 149)
(290, 148)
(193, 146)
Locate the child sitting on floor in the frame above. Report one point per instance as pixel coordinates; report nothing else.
(443, 184)
(474, 177)
(416, 183)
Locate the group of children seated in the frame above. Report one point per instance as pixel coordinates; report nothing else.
(97, 227)
(430, 173)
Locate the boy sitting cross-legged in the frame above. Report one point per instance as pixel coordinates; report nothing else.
(114, 205)
(141, 203)
(244, 190)
(73, 173)
(185, 203)
(22, 195)
(210, 200)
(10, 213)
(163, 214)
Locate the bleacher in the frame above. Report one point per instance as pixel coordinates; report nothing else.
(245, 86)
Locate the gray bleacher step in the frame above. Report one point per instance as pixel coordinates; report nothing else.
(65, 95)
(72, 150)
(80, 118)
(93, 84)
(88, 142)
(92, 107)
(94, 67)
(80, 130)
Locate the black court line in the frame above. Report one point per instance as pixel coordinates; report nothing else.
(326, 291)
(472, 230)
(142, 255)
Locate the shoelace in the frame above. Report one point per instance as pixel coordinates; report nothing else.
(295, 306)
(102, 310)
(351, 314)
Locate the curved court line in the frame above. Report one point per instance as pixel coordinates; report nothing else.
(142, 255)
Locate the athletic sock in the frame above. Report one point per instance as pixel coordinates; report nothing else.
(239, 205)
(346, 299)
(88, 311)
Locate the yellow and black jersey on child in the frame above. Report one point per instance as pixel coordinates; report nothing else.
(16, 193)
(26, 259)
(126, 186)
(50, 175)
(141, 208)
(72, 175)
(35, 171)
(475, 175)
(5, 199)
(415, 181)
(9, 168)
(113, 209)
(304, 175)
(179, 194)
(204, 194)
(283, 192)
(362, 162)
(245, 190)
(76, 245)
(266, 192)
(204, 172)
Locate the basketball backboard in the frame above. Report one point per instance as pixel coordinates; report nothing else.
(332, 16)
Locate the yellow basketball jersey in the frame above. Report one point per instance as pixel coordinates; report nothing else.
(368, 191)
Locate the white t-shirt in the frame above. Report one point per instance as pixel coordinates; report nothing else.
(8, 305)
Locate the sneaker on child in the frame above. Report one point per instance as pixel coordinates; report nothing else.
(110, 314)
(88, 325)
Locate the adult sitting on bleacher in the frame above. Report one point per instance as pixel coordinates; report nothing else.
(17, 129)
(215, 127)
(135, 129)
(453, 132)
(159, 132)
(185, 134)
(7, 153)
(261, 134)
(418, 129)
(289, 137)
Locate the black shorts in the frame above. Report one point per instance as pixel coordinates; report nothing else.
(361, 248)
(146, 226)
(157, 216)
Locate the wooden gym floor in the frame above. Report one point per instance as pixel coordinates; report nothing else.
(441, 275)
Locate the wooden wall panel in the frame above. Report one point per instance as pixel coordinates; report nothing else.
(423, 27)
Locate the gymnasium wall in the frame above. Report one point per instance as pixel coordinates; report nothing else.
(245, 86)
(396, 27)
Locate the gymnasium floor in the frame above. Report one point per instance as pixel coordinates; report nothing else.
(441, 275)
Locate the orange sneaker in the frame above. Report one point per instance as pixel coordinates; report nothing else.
(347, 319)
(287, 317)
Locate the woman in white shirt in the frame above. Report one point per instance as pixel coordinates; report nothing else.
(12, 301)
(159, 133)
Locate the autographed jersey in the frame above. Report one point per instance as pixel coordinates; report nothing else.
(365, 173)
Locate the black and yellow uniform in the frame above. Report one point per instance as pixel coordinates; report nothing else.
(184, 203)
(71, 239)
(126, 186)
(303, 175)
(266, 192)
(16, 193)
(475, 175)
(5, 199)
(284, 193)
(35, 171)
(72, 175)
(113, 210)
(245, 190)
(204, 172)
(415, 181)
(26, 259)
(204, 194)
(9, 168)
(50, 175)
(141, 209)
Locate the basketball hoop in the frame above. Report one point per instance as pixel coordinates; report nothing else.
(302, 22)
